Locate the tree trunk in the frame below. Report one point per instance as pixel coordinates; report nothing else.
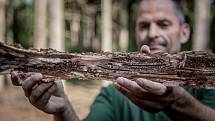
(9, 21)
(194, 69)
(40, 28)
(95, 41)
(106, 25)
(2, 33)
(123, 40)
(106, 29)
(75, 23)
(87, 31)
(2, 20)
(201, 26)
(56, 25)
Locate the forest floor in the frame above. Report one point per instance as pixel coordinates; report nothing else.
(15, 106)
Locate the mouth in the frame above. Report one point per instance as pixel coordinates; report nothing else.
(154, 47)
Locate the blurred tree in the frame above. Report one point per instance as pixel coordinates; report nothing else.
(90, 23)
(22, 26)
(201, 27)
(2, 20)
(40, 27)
(212, 27)
(116, 25)
(106, 6)
(2, 33)
(87, 21)
(9, 21)
(123, 37)
(75, 22)
(95, 2)
(56, 24)
(95, 43)
(106, 25)
(132, 10)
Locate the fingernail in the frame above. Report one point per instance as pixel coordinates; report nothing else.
(145, 49)
(120, 80)
(37, 76)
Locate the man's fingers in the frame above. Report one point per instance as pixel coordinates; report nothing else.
(46, 96)
(152, 87)
(39, 91)
(15, 79)
(56, 104)
(31, 82)
(149, 106)
(59, 87)
(125, 91)
(130, 85)
(145, 49)
(145, 104)
(130, 94)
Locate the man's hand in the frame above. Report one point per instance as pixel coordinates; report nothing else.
(48, 97)
(150, 96)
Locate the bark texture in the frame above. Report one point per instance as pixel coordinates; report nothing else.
(189, 68)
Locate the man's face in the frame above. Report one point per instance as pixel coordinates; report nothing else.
(158, 27)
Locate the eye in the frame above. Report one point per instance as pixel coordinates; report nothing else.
(163, 24)
(143, 26)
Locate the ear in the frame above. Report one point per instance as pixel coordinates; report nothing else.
(185, 33)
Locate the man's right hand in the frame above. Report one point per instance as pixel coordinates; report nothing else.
(48, 97)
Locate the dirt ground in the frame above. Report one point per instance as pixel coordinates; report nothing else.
(15, 107)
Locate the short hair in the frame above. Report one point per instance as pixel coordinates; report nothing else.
(178, 10)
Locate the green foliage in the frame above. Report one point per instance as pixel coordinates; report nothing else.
(23, 25)
(132, 10)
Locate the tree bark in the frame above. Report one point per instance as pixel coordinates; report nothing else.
(189, 68)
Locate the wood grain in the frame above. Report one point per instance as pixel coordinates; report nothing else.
(188, 68)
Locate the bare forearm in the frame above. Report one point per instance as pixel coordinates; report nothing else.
(68, 115)
(190, 109)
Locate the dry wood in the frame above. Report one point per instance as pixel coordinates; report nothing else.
(189, 68)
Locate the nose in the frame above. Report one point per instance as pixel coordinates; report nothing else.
(153, 31)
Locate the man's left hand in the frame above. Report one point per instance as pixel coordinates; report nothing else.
(149, 95)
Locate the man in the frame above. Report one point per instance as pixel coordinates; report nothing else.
(161, 26)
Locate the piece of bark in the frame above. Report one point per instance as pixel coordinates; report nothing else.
(188, 68)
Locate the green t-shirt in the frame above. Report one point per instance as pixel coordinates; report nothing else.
(111, 105)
